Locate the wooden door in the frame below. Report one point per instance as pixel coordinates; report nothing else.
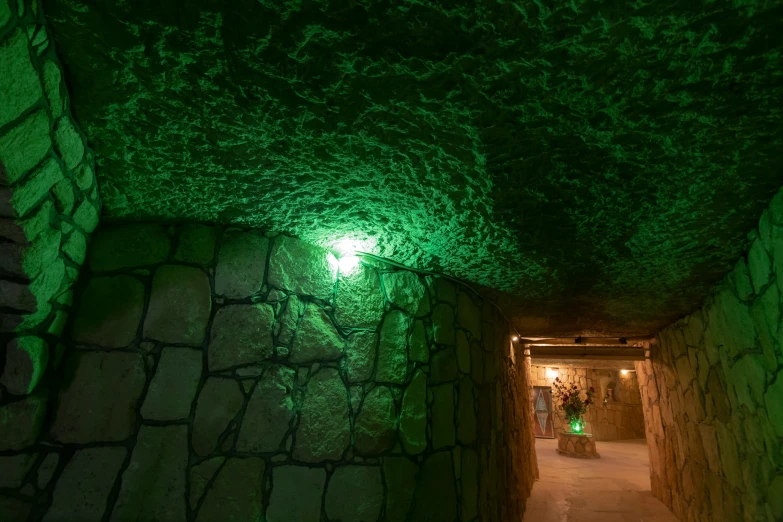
(543, 425)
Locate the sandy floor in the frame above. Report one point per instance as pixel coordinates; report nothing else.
(614, 488)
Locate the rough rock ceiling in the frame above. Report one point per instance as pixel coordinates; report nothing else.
(597, 164)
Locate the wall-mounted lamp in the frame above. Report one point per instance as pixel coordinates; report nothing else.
(625, 372)
(551, 373)
(515, 338)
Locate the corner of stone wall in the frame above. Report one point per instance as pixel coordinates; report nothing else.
(712, 391)
(49, 205)
(246, 369)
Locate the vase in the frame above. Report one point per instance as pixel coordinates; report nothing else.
(576, 424)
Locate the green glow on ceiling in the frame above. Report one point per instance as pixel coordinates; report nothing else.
(600, 164)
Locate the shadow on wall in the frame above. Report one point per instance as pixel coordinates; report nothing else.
(713, 394)
(619, 418)
(245, 374)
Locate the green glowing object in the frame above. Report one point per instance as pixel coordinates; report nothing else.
(345, 254)
(576, 426)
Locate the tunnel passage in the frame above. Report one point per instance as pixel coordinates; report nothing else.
(597, 201)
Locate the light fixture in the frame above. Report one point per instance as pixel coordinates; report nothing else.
(345, 254)
(624, 372)
(551, 373)
(515, 338)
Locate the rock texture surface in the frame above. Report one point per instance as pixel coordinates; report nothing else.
(713, 393)
(483, 139)
(276, 412)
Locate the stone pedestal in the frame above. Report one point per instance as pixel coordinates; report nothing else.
(578, 445)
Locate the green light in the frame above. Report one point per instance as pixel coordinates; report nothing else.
(576, 426)
(348, 264)
(345, 250)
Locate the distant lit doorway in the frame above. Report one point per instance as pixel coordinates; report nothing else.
(542, 405)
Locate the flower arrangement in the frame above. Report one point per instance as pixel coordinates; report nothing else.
(571, 403)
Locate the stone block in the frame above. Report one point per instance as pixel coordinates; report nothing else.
(469, 315)
(84, 175)
(759, 265)
(49, 282)
(443, 324)
(68, 142)
(393, 348)
(302, 268)
(324, 431)
(354, 494)
(288, 319)
(5, 12)
(15, 468)
(443, 366)
(359, 302)
(406, 290)
(413, 417)
(436, 497)
(470, 484)
(200, 476)
(442, 428)
(86, 217)
(24, 146)
(20, 422)
(179, 306)
(241, 264)
(218, 404)
(419, 350)
(46, 469)
(240, 334)
(375, 428)
(360, 356)
(773, 400)
(75, 247)
(19, 81)
(296, 494)
(109, 312)
(174, 385)
(400, 476)
(153, 485)
(316, 338)
(466, 427)
(268, 413)
(52, 80)
(25, 362)
(196, 244)
(98, 403)
(82, 490)
(64, 196)
(28, 195)
(463, 352)
(237, 493)
(39, 221)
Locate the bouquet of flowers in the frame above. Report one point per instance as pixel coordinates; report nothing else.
(574, 408)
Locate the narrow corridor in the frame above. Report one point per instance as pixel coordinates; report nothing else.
(614, 488)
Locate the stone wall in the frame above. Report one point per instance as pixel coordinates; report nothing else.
(48, 206)
(713, 394)
(223, 374)
(619, 418)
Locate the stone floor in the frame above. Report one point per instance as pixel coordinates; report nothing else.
(614, 488)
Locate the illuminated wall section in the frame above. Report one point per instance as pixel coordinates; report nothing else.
(224, 374)
(713, 394)
(49, 205)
